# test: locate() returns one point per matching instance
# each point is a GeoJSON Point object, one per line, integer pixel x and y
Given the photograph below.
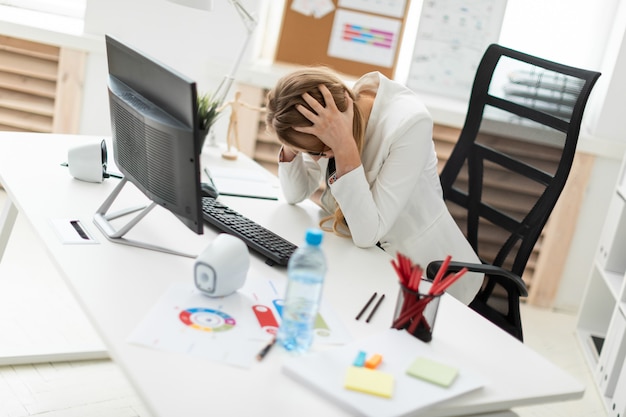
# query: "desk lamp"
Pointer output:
{"type": "Point", "coordinates": [249, 22]}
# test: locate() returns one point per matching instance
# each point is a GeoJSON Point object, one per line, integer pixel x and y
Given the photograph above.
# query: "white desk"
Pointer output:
{"type": "Point", "coordinates": [116, 285]}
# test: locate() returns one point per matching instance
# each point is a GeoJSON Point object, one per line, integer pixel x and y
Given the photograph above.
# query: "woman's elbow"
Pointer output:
{"type": "Point", "coordinates": [364, 243]}
{"type": "Point", "coordinates": [294, 196]}
{"type": "Point", "coordinates": [292, 201]}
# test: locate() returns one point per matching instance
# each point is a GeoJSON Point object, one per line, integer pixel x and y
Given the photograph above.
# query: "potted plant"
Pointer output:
{"type": "Point", "coordinates": [208, 113]}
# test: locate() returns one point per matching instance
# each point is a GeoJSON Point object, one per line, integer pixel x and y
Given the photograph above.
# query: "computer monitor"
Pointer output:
{"type": "Point", "coordinates": [156, 140]}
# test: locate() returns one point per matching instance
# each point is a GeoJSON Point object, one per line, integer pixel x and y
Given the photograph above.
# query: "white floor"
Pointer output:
{"type": "Point", "coordinates": [98, 387]}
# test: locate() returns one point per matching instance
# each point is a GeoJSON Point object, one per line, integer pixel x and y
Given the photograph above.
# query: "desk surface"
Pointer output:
{"type": "Point", "coordinates": [117, 285]}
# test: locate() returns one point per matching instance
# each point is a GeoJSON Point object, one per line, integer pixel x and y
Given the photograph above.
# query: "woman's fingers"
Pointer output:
{"type": "Point", "coordinates": [329, 124]}
{"type": "Point", "coordinates": [328, 98]}
{"type": "Point", "coordinates": [306, 112]}
{"type": "Point", "coordinates": [318, 108]}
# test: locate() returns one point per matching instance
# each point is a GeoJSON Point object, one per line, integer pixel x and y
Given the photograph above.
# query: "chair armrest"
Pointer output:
{"type": "Point", "coordinates": [495, 272]}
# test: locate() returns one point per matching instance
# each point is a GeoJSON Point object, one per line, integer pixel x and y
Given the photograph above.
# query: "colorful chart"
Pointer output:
{"type": "Point", "coordinates": [370, 36]}
{"type": "Point", "coordinates": [232, 329]}
{"type": "Point", "coordinates": [207, 319]}
{"type": "Point", "coordinates": [266, 318]}
{"type": "Point", "coordinates": [278, 305]}
{"type": "Point", "coordinates": [320, 326]}
{"type": "Point", "coordinates": [363, 37]}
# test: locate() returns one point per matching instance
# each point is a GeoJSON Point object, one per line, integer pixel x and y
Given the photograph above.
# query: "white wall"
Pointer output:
{"type": "Point", "coordinates": [576, 33]}
{"type": "Point", "coordinates": [566, 31]}
{"type": "Point", "coordinates": [607, 115]}
{"type": "Point", "coordinates": [202, 45]}
{"type": "Point", "coordinates": [588, 229]}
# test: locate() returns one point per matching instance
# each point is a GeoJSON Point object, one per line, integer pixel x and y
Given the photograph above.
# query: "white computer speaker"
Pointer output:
{"type": "Point", "coordinates": [222, 267]}
{"type": "Point", "coordinates": [88, 162]}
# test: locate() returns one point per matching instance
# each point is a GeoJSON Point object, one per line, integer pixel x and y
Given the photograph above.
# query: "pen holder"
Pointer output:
{"type": "Point", "coordinates": [416, 311]}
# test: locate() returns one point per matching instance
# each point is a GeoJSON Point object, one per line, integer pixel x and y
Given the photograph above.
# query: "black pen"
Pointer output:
{"type": "Point", "coordinates": [375, 308]}
{"type": "Point", "coordinates": [265, 350]}
{"type": "Point", "coordinates": [208, 174]}
{"type": "Point", "coordinates": [366, 306]}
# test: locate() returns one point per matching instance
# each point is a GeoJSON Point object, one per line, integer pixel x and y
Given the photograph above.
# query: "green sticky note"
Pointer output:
{"type": "Point", "coordinates": [369, 381]}
{"type": "Point", "coordinates": [432, 371]}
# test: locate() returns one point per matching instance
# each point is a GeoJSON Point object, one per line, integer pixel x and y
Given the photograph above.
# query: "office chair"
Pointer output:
{"type": "Point", "coordinates": [530, 100]}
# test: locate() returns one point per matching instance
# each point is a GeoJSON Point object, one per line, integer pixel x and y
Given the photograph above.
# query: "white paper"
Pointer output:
{"type": "Point", "coordinates": [451, 40]}
{"type": "Point", "coordinates": [186, 321]}
{"type": "Point", "coordinates": [231, 329]}
{"type": "Point", "coordinates": [315, 8]}
{"type": "Point", "coordinates": [324, 372]}
{"type": "Point", "coordinates": [244, 183]}
{"type": "Point", "coordinates": [392, 8]}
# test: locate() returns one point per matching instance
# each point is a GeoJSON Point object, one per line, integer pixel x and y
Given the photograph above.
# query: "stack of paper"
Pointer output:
{"type": "Point", "coordinates": [407, 360]}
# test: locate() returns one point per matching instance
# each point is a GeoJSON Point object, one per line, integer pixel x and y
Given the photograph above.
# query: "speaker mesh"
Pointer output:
{"type": "Point", "coordinates": [144, 153]}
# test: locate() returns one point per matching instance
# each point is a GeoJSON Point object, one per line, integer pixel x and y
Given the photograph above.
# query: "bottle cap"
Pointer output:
{"type": "Point", "coordinates": [313, 236]}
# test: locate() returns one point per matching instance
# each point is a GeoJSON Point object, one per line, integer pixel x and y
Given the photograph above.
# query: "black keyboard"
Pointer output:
{"type": "Point", "coordinates": [276, 249]}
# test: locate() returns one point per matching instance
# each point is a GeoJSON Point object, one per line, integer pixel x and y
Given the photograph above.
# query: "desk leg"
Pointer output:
{"type": "Point", "coordinates": [9, 214]}
{"type": "Point", "coordinates": [40, 353]}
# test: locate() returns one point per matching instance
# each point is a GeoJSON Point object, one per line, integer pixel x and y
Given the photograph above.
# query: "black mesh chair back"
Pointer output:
{"type": "Point", "coordinates": [516, 99]}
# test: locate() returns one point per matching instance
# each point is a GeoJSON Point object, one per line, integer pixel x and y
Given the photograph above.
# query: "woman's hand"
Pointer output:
{"type": "Point", "coordinates": [330, 125]}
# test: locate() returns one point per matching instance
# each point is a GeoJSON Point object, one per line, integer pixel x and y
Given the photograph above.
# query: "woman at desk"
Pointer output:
{"type": "Point", "coordinates": [373, 146]}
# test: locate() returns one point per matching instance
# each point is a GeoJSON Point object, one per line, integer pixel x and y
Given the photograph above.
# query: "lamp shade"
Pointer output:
{"type": "Point", "coordinates": [195, 4]}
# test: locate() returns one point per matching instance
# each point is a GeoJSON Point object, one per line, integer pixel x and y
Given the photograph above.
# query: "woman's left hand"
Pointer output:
{"type": "Point", "coordinates": [330, 125]}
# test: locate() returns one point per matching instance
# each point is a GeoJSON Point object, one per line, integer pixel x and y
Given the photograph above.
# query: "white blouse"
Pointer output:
{"type": "Point", "coordinates": [394, 197]}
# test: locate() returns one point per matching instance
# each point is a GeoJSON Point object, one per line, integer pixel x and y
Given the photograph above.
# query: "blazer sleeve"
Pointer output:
{"type": "Point", "coordinates": [372, 207]}
{"type": "Point", "coordinates": [299, 178]}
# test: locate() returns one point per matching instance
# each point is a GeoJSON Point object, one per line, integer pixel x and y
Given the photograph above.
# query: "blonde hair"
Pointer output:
{"type": "Point", "coordinates": [282, 115]}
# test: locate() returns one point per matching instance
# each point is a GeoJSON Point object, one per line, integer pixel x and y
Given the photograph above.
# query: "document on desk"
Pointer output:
{"type": "Point", "coordinates": [231, 329]}
{"type": "Point", "coordinates": [245, 183]}
{"type": "Point", "coordinates": [325, 372]}
{"type": "Point", "coordinates": [186, 321]}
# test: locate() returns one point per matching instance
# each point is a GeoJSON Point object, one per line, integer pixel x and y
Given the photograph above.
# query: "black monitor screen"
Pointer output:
{"type": "Point", "coordinates": [156, 142]}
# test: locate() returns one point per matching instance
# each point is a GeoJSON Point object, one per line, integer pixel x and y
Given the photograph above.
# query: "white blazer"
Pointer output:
{"type": "Point", "coordinates": [395, 196]}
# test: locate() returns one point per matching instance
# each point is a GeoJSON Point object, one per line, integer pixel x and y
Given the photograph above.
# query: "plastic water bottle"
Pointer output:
{"type": "Point", "coordinates": [306, 271]}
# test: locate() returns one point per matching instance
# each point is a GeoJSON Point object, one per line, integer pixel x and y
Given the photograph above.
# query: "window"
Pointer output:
{"type": "Point", "coordinates": [70, 8]}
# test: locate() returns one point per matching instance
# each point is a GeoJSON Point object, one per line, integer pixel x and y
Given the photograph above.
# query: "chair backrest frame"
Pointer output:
{"type": "Point", "coordinates": [527, 231]}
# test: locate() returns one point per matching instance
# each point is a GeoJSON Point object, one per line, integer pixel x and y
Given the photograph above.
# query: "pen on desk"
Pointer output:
{"type": "Point", "coordinates": [375, 308]}
{"type": "Point", "coordinates": [249, 196]}
{"type": "Point", "coordinates": [266, 349]}
{"type": "Point", "coordinates": [366, 306]}
{"type": "Point", "coordinates": [208, 174]}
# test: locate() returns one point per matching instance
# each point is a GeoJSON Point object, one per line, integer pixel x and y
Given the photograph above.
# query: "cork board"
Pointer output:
{"type": "Point", "coordinates": [347, 36]}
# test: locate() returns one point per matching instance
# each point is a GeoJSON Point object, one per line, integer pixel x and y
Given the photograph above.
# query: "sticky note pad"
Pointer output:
{"type": "Point", "coordinates": [432, 371]}
{"type": "Point", "coordinates": [369, 381]}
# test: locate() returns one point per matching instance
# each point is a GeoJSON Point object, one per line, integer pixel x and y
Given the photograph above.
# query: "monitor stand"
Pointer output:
{"type": "Point", "coordinates": [102, 220]}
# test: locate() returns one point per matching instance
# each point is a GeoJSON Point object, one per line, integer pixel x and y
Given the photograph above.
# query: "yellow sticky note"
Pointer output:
{"type": "Point", "coordinates": [369, 381]}
{"type": "Point", "coordinates": [432, 371]}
